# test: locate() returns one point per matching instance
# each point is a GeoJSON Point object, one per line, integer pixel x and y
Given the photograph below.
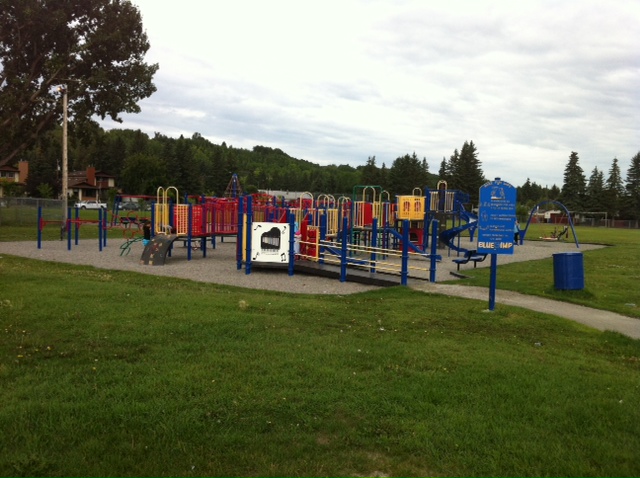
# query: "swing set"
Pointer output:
{"type": "Point", "coordinates": [556, 234]}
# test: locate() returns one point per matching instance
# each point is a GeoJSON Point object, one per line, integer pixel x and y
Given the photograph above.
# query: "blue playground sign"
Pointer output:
{"type": "Point", "coordinates": [496, 218]}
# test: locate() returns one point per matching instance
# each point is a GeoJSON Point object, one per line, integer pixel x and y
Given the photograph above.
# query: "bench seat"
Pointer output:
{"type": "Point", "coordinates": [470, 256]}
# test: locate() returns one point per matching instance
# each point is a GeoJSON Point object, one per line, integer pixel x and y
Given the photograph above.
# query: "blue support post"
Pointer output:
{"type": "Point", "coordinates": [240, 233]}
{"type": "Point", "coordinates": [405, 252]}
{"type": "Point", "coordinates": [171, 223]}
{"type": "Point", "coordinates": [39, 227]}
{"type": "Point", "coordinates": [76, 226]}
{"type": "Point", "coordinates": [292, 241]}
{"type": "Point", "coordinates": [323, 237]}
{"type": "Point", "coordinates": [343, 251]}
{"type": "Point", "coordinates": [374, 244]}
{"type": "Point", "coordinates": [493, 281]}
{"type": "Point", "coordinates": [189, 227]}
{"type": "Point", "coordinates": [434, 250]}
{"type": "Point", "coordinates": [172, 214]}
{"type": "Point", "coordinates": [425, 223]}
{"type": "Point", "coordinates": [67, 226]}
{"type": "Point", "coordinates": [247, 263]}
{"type": "Point", "coordinates": [104, 228]}
{"type": "Point", "coordinates": [153, 218]}
{"type": "Point", "coordinates": [100, 229]}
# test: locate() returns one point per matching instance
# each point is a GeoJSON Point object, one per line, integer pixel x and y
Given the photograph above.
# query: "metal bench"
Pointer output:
{"type": "Point", "coordinates": [470, 256]}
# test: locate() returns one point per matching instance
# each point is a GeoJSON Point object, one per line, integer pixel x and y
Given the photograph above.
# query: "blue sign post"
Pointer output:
{"type": "Point", "coordinates": [496, 224]}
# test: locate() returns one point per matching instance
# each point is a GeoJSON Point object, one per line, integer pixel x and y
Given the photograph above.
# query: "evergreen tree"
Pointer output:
{"type": "Point", "coordinates": [443, 172]}
{"type": "Point", "coordinates": [614, 190]}
{"type": "Point", "coordinates": [573, 189]}
{"type": "Point", "coordinates": [632, 187]}
{"type": "Point", "coordinates": [538, 193]}
{"type": "Point", "coordinates": [370, 173]}
{"type": "Point", "coordinates": [454, 176]}
{"type": "Point", "coordinates": [526, 194]}
{"type": "Point", "coordinates": [469, 175]}
{"type": "Point", "coordinates": [595, 197]}
{"type": "Point", "coordinates": [554, 193]}
{"type": "Point", "coordinates": [384, 176]}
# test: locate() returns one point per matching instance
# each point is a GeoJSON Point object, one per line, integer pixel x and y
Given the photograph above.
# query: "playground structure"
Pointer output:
{"type": "Point", "coordinates": [195, 219]}
{"type": "Point", "coordinates": [71, 226]}
{"type": "Point", "coordinates": [275, 244]}
{"type": "Point", "coordinates": [366, 231]}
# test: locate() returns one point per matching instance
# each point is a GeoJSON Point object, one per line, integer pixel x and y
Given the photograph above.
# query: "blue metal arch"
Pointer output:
{"type": "Point", "coordinates": [559, 204]}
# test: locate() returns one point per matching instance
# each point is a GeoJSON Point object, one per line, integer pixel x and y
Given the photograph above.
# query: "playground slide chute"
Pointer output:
{"type": "Point", "coordinates": [447, 236]}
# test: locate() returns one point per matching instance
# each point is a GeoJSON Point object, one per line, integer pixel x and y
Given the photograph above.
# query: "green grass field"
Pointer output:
{"type": "Point", "coordinates": [612, 274]}
{"type": "Point", "coordinates": [106, 373]}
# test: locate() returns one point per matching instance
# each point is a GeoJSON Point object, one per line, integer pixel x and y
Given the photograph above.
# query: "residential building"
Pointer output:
{"type": "Point", "coordinates": [11, 174]}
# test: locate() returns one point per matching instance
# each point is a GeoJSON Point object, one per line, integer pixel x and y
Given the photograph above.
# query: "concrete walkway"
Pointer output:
{"type": "Point", "coordinates": [596, 318]}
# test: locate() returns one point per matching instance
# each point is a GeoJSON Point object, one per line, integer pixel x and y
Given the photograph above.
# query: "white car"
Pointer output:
{"type": "Point", "coordinates": [90, 205]}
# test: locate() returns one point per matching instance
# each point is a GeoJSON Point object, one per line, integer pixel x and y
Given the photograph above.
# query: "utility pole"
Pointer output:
{"type": "Point", "coordinates": [65, 166]}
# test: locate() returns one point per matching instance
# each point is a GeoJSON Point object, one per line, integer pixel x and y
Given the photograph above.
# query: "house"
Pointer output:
{"type": "Point", "coordinates": [90, 184]}
{"type": "Point", "coordinates": [11, 175]}
{"type": "Point", "coordinates": [85, 185]}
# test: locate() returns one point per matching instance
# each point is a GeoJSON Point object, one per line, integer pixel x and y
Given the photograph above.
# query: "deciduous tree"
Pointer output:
{"type": "Point", "coordinates": [406, 173]}
{"type": "Point", "coordinates": [94, 47]}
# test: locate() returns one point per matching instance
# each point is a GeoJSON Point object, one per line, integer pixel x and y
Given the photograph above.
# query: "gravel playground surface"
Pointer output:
{"type": "Point", "coordinates": [220, 267]}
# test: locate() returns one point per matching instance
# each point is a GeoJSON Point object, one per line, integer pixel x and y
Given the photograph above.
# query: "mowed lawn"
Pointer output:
{"type": "Point", "coordinates": [110, 373]}
{"type": "Point", "coordinates": [611, 274]}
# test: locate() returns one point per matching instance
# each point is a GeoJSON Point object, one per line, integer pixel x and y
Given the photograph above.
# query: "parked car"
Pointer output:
{"type": "Point", "coordinates": [129, 206]}
{"type": "Point", "coordinates": [90, 205]}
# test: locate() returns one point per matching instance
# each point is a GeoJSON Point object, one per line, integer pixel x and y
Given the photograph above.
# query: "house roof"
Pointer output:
{"type": "Point", "coordinates": [81, 184]}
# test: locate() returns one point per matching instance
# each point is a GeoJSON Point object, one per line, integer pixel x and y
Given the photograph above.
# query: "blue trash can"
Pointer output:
{"type": "Point", "coordinates": [568, 271]}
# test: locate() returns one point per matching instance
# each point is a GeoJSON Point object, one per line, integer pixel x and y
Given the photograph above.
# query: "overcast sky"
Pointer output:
{"type": "Point", "coordinates": [335, 82]}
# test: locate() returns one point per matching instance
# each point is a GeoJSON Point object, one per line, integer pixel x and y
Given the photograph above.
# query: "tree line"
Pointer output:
{"type": "Point", "coordinates": [617, 197]}
{"type": "Point", "coordinates": [197, 166]}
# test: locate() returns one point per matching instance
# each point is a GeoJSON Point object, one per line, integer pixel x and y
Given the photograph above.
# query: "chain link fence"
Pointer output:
{"type": "Point", "coordinates": [24, 211]}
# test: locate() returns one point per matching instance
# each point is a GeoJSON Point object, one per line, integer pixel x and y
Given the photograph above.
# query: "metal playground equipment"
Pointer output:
{"type": "Point", "coordinates": [314, 248]}
{"type": "Point", "coordinates": [367, 232]}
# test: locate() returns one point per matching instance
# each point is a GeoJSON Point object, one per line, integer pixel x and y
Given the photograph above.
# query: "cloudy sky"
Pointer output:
{"type": "Point", "coordinates": [335, 82]}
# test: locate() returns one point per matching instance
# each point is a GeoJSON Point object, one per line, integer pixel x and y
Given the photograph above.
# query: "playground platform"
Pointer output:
{"type": "Point", "coordinates": [378, 279]}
